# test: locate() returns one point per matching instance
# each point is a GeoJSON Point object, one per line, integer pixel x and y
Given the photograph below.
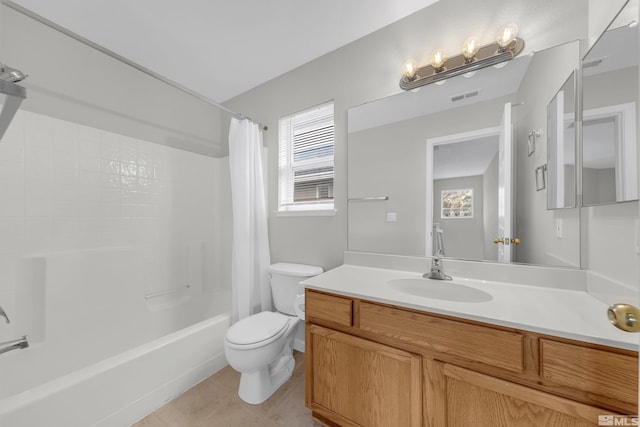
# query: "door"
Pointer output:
{"type": "Point", "coordinates": [472, 398]}
{"type": "Point", "coordinates": [357, 382]}
{"type": "Point", "coordinates": [505, 185]}
{"type": "Point", "coordinates": [497, 231]}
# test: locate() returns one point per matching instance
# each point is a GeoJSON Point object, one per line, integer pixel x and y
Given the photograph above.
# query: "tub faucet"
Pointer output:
{"type": "Point", "coordinates": [3, 314]}
{"type": "Point", "coordinates": [437, 270]}
{"type": "Point", "coordinates": [14, 345]}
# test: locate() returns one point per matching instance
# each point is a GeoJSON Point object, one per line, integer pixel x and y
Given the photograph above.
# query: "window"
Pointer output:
{"type": "Point", "coordinates": [457, 203]}
{"type": "Point", "coordinates": [306, 160]}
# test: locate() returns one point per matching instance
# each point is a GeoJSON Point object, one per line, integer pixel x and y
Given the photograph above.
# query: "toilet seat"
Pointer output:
{"type": "Point", "coordinates": [257, 330]}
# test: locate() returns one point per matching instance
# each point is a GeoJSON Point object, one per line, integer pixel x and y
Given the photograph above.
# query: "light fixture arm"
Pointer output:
{"type": "Point", "coordinates": [487, 55]}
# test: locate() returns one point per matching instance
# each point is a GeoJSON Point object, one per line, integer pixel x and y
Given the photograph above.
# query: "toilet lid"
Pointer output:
{"type": "Point", "coordinates": [256, 328]}
{"type": "Point", "coordinates": [299, 270]}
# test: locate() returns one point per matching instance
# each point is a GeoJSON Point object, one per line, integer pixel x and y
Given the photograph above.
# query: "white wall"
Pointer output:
{"type": "Point", "coordinates": [69, 187]}
{"type": "Point", "coordinates": [369, 69]}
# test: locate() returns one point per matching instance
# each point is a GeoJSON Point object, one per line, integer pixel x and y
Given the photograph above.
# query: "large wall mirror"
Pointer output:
{"type": "Point", "coordinates": [609, 116]}
{"type": "Point", "coordinates": [457, 158]}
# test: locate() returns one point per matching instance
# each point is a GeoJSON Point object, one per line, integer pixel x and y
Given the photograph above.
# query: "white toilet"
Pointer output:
{"type": "Point", "coordinates": [260, 346]}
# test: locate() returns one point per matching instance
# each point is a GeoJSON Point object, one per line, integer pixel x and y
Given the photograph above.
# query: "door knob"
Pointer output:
{"type": "Point", "coordinates": [625, 317]}
{"type": "Point", "coordinates": [506, 241]}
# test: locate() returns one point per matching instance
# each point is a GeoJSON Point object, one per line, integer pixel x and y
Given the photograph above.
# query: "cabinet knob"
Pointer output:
{"type": "Point", "coordinates": [625, 317]}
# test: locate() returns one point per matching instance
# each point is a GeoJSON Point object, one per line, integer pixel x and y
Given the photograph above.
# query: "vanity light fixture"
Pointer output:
{"type": "Point", "coordinates": [472, 58]}
{"type": "Point", "coordinates": [469, 49]}
{"type": "Point", "coordinates": [506, 36]}
{"type": "Point", "coordinates": [410, 68]}
{"type": "Point", "coordinates": [437, 61]}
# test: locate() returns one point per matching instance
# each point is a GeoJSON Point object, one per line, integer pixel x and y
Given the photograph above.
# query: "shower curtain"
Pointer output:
{"type": "Point", "coordinates": [250, 258]}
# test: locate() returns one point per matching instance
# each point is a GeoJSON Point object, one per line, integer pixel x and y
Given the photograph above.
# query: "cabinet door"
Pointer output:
{"type": "Point", "coordinates": [479, 400]}
{"type": "Point", "coordinates": [356, 382]}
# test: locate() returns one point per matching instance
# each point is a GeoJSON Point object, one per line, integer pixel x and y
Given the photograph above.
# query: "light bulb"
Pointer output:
{"type": "Point", "coordinates": [409, 69]}
{"type": "Point", "coordinates": [437, 60]}
{"type": "Point", "coordinates": [507, 35]}
{"type": "Point", "coordinates": [469, 49]}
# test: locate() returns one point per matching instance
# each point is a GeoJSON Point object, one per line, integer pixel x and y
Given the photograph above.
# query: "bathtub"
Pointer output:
{"type": "Point", "coordinates": [105, 351]}
{"type": "Point", "coordinates": [124, 388]}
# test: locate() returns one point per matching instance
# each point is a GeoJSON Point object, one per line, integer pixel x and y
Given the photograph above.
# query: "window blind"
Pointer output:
{"type": "Point", "coordinates": [306, 152]}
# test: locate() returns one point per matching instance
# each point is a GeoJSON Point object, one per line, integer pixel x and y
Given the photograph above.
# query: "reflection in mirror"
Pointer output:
{"type": "Point", "coordinates": [389, 155]}
{"type": "Point", "coordinates": [561, 148]}
{"type": "Point", "coordinates": [463, 199]}
{"type": "Point", "coordinates": [610, 96]}
{"type": "Point", "coordinates": [479, 161]}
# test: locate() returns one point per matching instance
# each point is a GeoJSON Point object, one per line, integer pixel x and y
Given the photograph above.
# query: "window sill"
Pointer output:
{"type": "Point", "coordinates": [309, 212]}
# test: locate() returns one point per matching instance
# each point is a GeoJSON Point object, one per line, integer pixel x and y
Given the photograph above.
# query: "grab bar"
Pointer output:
{"type": "Point", "coordinates": [14, 345]}
{"type": "Point", "coordinates": [368, 199]}
{"type": "Point", "coordinates": [168, 291]}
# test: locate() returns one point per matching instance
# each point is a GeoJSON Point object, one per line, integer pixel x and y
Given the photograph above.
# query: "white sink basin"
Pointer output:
{"type": "Point", "coordinates": [440, 289]}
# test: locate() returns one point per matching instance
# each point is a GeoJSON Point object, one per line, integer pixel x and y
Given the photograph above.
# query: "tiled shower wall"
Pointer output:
{"type": "Point", "coordinates": [69, 187]}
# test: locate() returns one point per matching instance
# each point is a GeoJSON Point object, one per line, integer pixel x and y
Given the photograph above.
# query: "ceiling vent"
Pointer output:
{"type": "Point", "coordinates": [465, 96]}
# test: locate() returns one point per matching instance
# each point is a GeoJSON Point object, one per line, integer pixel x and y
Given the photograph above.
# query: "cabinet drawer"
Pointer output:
{"type": "Point", "coordinates": [597, 372]}
{"type": "Point", "coordinates": [328, 308]}
{"type": "Point", "coordinates": [502, 349]}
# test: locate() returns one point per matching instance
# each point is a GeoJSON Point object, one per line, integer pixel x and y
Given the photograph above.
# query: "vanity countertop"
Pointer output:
{"type": "Point", "coordinates": [566, 313]}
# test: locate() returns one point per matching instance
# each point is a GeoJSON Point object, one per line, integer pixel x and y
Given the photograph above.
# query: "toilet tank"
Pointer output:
{"type": "Point", "coordinates": [285, 279]}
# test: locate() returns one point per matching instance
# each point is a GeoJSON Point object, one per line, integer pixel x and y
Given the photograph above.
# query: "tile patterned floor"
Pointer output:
{"type": "Point", "coordinates": [215, 402]}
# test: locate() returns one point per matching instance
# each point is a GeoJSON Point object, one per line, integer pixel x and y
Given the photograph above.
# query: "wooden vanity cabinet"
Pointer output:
{"type": "Point", "coordinates": [369, 364]}
{"type": "Point", "coordinates": [475, 399]}
{"type": "Point", "coordinates": [366, 383]}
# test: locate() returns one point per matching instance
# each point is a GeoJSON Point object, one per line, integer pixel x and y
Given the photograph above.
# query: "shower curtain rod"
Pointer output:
{"type": "Point", "coordinates": [124, 60]}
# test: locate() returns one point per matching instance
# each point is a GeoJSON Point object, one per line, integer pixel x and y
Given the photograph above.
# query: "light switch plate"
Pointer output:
{"type": "Point", "coordinates": [559, 229]}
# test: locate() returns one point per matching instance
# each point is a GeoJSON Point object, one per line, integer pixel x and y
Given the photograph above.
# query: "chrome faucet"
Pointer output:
{"type": "Point", "coordinates": [14, 345]}
{"type": "Point", "coordinates": [437, 270]}
{"type": "Point", "coordinates": [3, 314]}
